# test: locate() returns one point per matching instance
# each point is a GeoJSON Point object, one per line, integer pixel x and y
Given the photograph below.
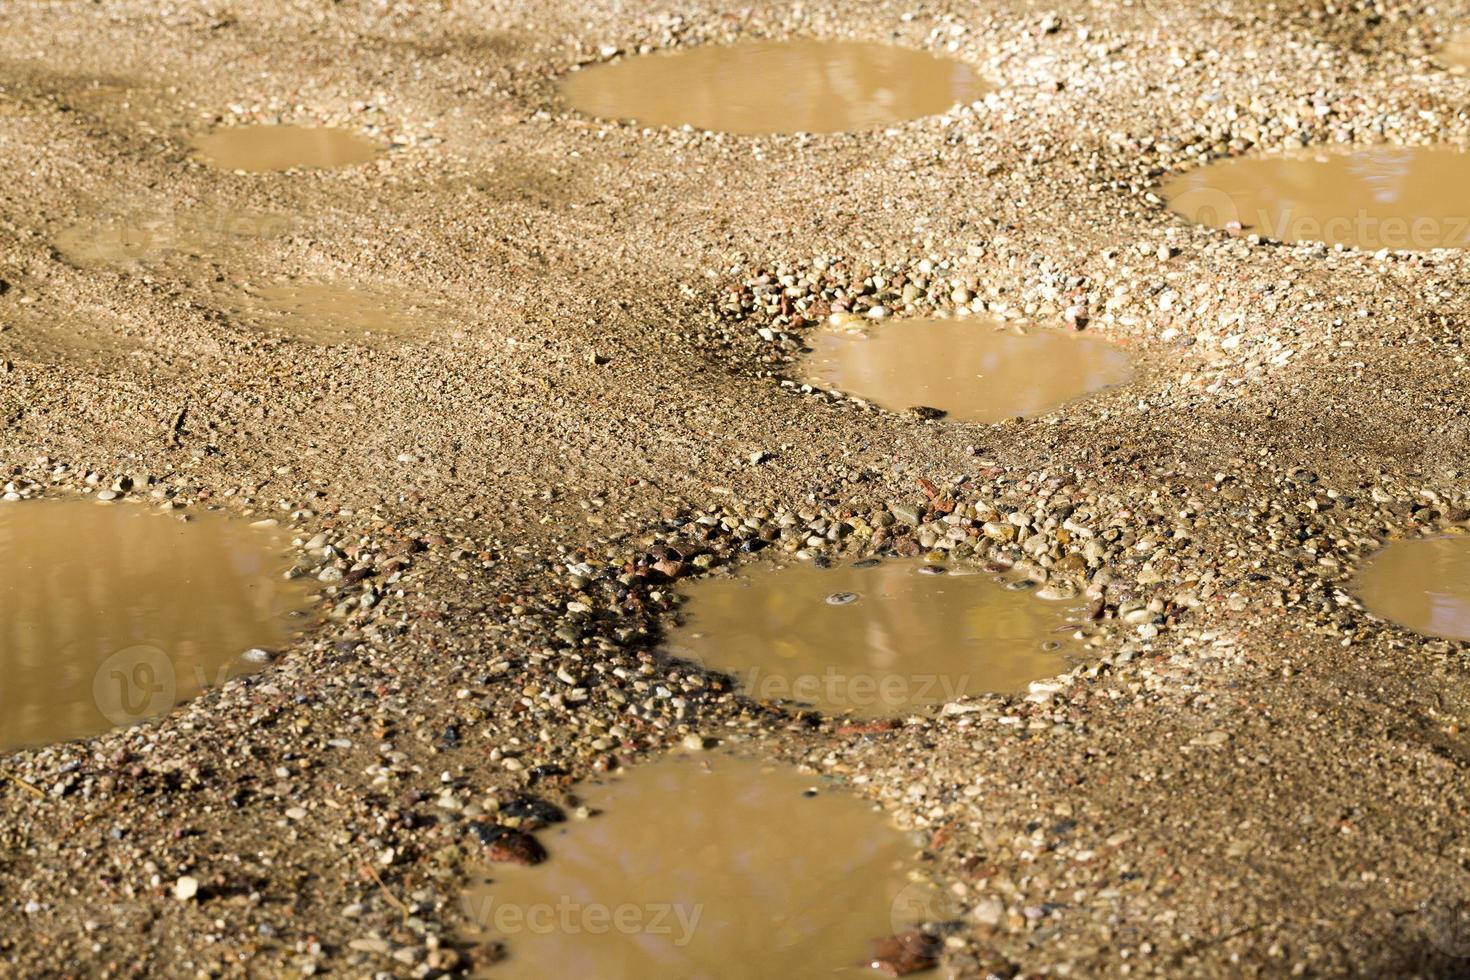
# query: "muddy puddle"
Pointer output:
{"type": "Point", "coordinates": [974, 369]}
{"type": "Point", "coordinates": [1423, 585]}
{"type": "Point", "coordinates": [1454, 54]}
{"type": "Point", "coordinates": [260, 149]}
{"type": "Point", "coordinates": [873, 638]}
{"type": "Point", "coordinates": [134, 238]}
{"type": "Point", "coordinates": [335, 313]}
{"type": "Point", "coordinates": [703, 866]}
{"type": "Point", "coordinates": [1393, 197]}
{"type": "Point", "coordinates": [756, 87]}
{"type": "Point", "coordinates": [112, 614]}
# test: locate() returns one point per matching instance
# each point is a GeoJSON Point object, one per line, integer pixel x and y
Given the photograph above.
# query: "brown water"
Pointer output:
{"type": "Point", "coordinates": [1456, 52]}
{"type": "Point", "coordinates": [330, 313]}
{"type": "Point", "coordinates": [974, 368]}
{"type": "Point", "coordinates": [703, 866]}
{"type": "Point", "coordinates": [872, 638]}
{"type": "Point", "coordinates": [110, 614]}
{"type": "Point", "coordinates": [1394, 197]}
{"type": "Point", "coordinates": [258, 149]}
{"type": "Point", "coordinates": [758, 87]}
{"type": "Point", "coordinates": [1422, 584]}
{"type": "Point", "coordinates": [138, 238]}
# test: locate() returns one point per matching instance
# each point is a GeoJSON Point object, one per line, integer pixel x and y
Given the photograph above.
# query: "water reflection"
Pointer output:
{"type": "Point", "coordinates": [702, 867]}
{"type": "Point", "coordinates": [1422, 584]}
{"type": "Point", "coordinates": [904, 640]}
{"type": "Point", "coordinates": [1392, 197]}
{"type": "Point", "coordinates": [775, 87]}
{"type": "Point", "coordinates": [974, 368]}
{"type": "Point", "coordinates": [109, 615]}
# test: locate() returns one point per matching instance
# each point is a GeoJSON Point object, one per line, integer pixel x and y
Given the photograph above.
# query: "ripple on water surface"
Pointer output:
{"type": "Point", "coordinates": [259, 149]}
{"type": "Point", "coordinates": [973, 368]}
{"type": "Point", "coordinates": [875, 637]}
{"type": "Point", "coordinates": [112, 614]}
{"type": "Point", "coordinates": [1394, 197]}
{"type": "Point", "coordinates": [703, 866]}
{"type": "Point", "coordinates": [758, 87]}
{"type": "Point", "coordinates": [1422, 584]}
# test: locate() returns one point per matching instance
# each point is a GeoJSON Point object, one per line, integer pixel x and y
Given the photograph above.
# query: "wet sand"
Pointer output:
{"type": "Point", "coordinates": [1253, 775]}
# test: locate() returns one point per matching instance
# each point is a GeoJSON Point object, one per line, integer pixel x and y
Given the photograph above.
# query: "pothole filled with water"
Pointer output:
{"type": "Point", "coordinates": [756, 87]}
{"type": "Point", "coordinates": [874, 638]}
{"type": "Point", "coordinates": [1455, 52]}
{"type": "Point", "coordinates": [332, 313]}
{"type": "Point", "coordinates": [112, 614]}
{"type": "Point", "coordinates": [137, 238]}
{"type": "Point", "coordinates": [264, 148]}
{"type": "Point", "coordinates": [1394, 197]}
{"type": "Point", "coordinates": [703, 866]}
{"type": "Point", "coordinates": [1422, 584]}
{"type": "Point", "coordinates": [975, 369]}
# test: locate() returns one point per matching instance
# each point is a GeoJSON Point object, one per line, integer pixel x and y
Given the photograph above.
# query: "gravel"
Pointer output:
{"type": "Point", "coordinates": [1246, 774]}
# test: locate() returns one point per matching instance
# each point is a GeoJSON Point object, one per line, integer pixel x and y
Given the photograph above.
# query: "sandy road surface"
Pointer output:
{"type": "Point", "coordinates": [1253, 776]}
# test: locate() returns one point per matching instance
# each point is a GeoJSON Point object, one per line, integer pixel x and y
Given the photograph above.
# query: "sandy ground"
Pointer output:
{"type": "Point", "coordinates": [1254, 777]}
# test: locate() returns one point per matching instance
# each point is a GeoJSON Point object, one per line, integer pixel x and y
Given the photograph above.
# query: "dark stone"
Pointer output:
{"type": "Point", "coordinates": [905, 953]}
{"type": "Point", "coordinates": [529, 808]}
{"type": "Point", "coordinates": [357, 575]}
{"type": "Point", "coordinates": [507, 846]}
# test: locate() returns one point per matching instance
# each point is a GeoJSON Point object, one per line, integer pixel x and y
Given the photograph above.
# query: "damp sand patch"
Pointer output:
{"type": "Point", "coordinates": [268, 148]}
{"type": "Point", "coordinates": [331, 313]}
